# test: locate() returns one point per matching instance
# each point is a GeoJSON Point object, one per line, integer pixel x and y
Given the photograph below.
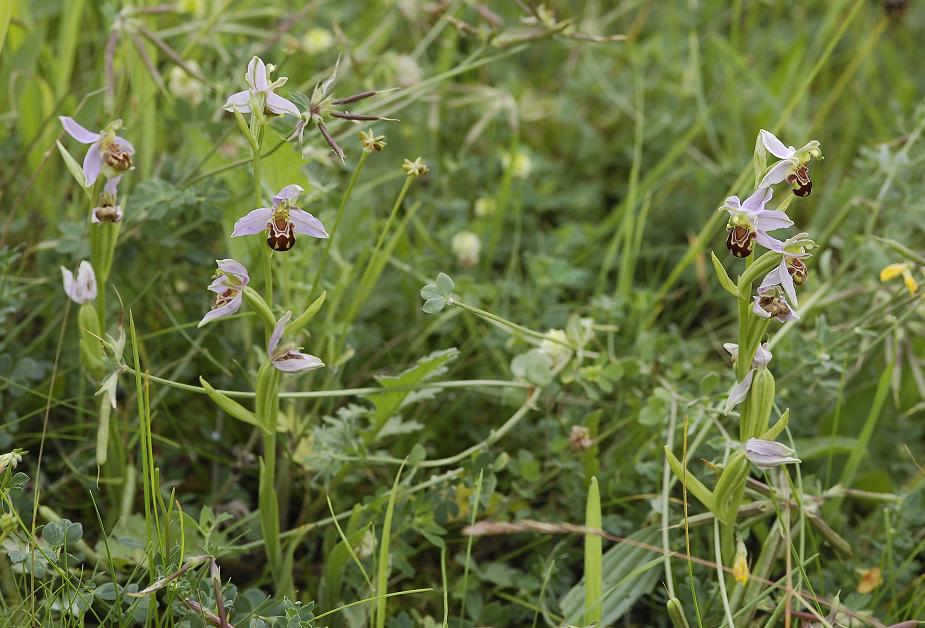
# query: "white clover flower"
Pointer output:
{"type": "Point", "coordinates": [317, 40]}
{"type": "Point", "coordinates": [484, 206]}
{"type": "Point", "coordinates": [520, 164]}
{"type": "Point", "coordinates": [555, 346]}
{"type": "Point", "coordinates": [466, 245]}
{"type": "Point", "coordinates": [182, 86]}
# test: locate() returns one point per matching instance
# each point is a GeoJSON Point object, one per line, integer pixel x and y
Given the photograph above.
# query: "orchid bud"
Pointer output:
{"type": "Point", "coordinates": [757, 413]}
{"type": "Point", "coordinates": [767, 454]}
{"type": "Point", "coordinates": [91, 350]}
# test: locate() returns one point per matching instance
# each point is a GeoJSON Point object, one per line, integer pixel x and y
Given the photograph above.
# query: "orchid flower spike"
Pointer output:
{"type": "Point", "coordinates": [108, 209]}
{"type": "Point", "coordinates": [767, 454]}
{"type": "Point", "coordinates": [260, 90]}
{"type": "Point", "coordinates": [108, 153]}
{"type": "Point", "coordinates": [791, 271]}
{"type": "Point", "coordinates": [749, 222]}
{"type": "Point", "coordinates": [228, 284]}
{"type": "Point", "coordinates": [792, 166]}
{"type": "Point", "coordinates": [770, 302]}
{"type": "Point", "coordinates": [288, 358]}
{"type": "Point", "coordinates": [760, 361]}
{"type": "Point", "coordinates": [281, 222]}
{"type": "Point", "coordinates": [82, 289]}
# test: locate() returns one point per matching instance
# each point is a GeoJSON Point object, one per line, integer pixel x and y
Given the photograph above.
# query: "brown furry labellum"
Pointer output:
{"type": "Point", "coordinates": [119, 160]}
{"type": "Point", "coordinates": [741, 241]}
{"type": "Point", "coordinates": [774, 306]}
{"type": "Point", "coordinates": [802, 184]}
{"type": "Point", "coordinates": [797, 270]}
{"type": "Point", "coordinates": [280, 235]}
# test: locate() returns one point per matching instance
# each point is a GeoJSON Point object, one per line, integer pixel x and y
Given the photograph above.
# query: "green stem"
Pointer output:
{"type": "Point", "coordinates": [337, 219]}
{"type": "Point", "coordinates": [342, 392]}
{"type": "Point", "coordinates": [512, 325]}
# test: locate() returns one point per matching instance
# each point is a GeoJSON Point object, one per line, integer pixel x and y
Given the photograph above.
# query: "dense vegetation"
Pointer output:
{"type": "Point", "coordinates": [501, 395]}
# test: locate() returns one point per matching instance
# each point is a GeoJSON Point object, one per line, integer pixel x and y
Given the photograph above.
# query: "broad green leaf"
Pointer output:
{"type": "Point", "coordinates": [628, 574]}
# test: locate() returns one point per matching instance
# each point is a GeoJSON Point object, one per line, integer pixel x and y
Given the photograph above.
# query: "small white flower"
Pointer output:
{"type": "Point", "coordinates": [317, 40]}
{"type": "Point", "coordinates": [466, 245]}
{"type": "Point", "coordinates": [555, 346]}
{"type": "Point", "coordinates": [183, 86]}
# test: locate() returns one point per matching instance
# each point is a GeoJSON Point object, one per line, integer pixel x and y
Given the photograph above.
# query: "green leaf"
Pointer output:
{"type": "Point", "coordinates": [387, 404]}
{"type": "Point", "coordinates": [229, 405]}
{"type": "Point", "coordinates": [445, 284]}
{"type": "Point", "coordinates": [305, 317]}
{"type": "Point", "coordinates": [432, 306]}
{"type": "Point", "coordinates": [594, 580]}
{"type": "Point", "coordinates": [430, 292]}
{"type": "Point", "coordinates": [724, 279]}
{"type": "Point", "coordinates": [532, 366]}
{"type": "Point", "coordinates": [628, 574]}
{"type": "Point", "coordinates": [75, 169]}
{"type": "Point", "coordinates": [62, 533]}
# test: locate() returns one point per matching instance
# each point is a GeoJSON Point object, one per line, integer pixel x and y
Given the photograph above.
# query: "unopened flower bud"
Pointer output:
{"type": "Point", "coordinates": [466, 245]}
{"type": "Point", "coordinates": [767, 454]}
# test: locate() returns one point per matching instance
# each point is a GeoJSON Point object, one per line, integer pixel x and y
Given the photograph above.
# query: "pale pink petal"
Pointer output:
{"type": "Point", "coordinates": [124, 145]}
{"type": "Point", "coordinates": [68, 278]}
{"type": "Point", "coordinates": [86, 281]}
{"type": "Point", "coordinates": [306, 223]}
{"type": "Point", "coordinates": [778, 172]}
{"type": "Point", "coordinates": [733, 350]}
{"type": "Point", "coordinates": [757, 200]}
{"type": "Point", "coordinates": [739, 392]}
{"type": "Point", "coordinates": [253, 222]}
{"type": "Point", "coordinates": [235, 268]}
{"type": "Point", "coordinates": [786, 282]}
{"type": "Point", "coordinates": [76, 131]}
{"type": "Point", "coordinates": [240, 101]}
{"type": "Point", "coordinates": [775, 146]}
{"type": "Point", "coordinates": [732, 203]}
{"type": "Point", "coordinates": [772, 219]}
{"type": "Point", "coordinates": [93, 162]}
{"type": "Point", "coordinates": [221, 312]}
{"type": "Point", "coordinates": [277, 333]}
{"type": "Point", "coordinates": [773, 278]}
{"type": "Point", "coordinates": [772, 244]}
{"type": "Point", "coordinates": [257, 74]}
{"type": "Point", "coordinates": [288, 193]}
{"type": "Point", "coordinates": [278, 104]}
{"type": "Point", "coordinates": [295, 361]}
{"type": "Point", "coordinates": [762, 356]}
{"type": "Point", "coordinates": [766, 454]}
{"type": "Point", "coordinates": [758, 310]}
{"type": "Point", "coordinates": [111, 185]}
